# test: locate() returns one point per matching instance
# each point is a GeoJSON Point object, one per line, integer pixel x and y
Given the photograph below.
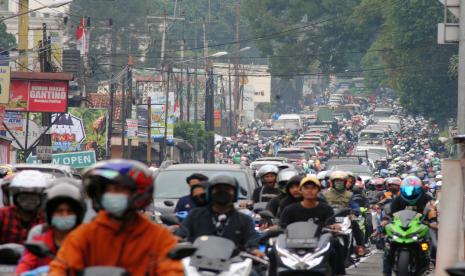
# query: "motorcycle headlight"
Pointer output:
{"type": "Point", "coordinates": [315, 258]}
{"type": "Point", "coordinates": [286, 257]}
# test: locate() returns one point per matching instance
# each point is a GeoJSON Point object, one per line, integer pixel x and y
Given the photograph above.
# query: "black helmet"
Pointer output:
{"type": "Point", "coordinates": [223, 179]}
{"type": "Point", "coordinates": [65, 190]}
{"type": "Point", "coordinates": [294, 180]}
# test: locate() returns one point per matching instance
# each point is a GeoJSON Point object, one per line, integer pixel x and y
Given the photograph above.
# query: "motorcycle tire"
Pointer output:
{"type": "Point", "coordinates": [403, 263]}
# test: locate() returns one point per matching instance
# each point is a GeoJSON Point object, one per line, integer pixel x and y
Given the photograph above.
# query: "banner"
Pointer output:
{"type": "Point", "coordinates": [38, 96]}
{"type": "Point", "coordinates": [158, 122]}
{"type": "Point", "coordinates": [81, 129]}
{"type": "Point", "coordinates": [48, 96]}
{"type": "Point", "coordinates": [4, 84]}
{"type": "Point", "coordinates": [132, 127]}
{"type": "Point", "coordinates": [2, 118]}
{"type": "Point", "coordinates": [14, 120]}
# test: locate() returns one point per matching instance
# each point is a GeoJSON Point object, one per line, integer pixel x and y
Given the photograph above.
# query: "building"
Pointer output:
{"type": "Point", "coordinates": [54, 18]}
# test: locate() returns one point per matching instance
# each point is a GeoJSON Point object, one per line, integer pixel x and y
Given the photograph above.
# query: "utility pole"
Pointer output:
{"type": "Point", "coordinates": [23, 31]}
{"type": "Point", "coordinates": [236, 65]}
{"type": "Point", "coordinates": [230, 121]}
{"type": "Point", "coordinates": [149, 131]}
{"type": "Point", "coordinates": [129, 81]}
{"type": "Point", "coordinates": [209, 115]}
{"type": "Point", "coordinates": [196, 93]}
{"type": "Point", "coordinates": [461, 72]}
{"type": "Point", "coordinates": [46, 139]}
{"type": "Point", "coordinates": [123, 117]}
{"type": "Point", "coordinates": [110, 119]}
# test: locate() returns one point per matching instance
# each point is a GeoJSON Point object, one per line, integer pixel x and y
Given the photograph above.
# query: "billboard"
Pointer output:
{"type": "Point", "coordinates": [4, 84]}
{"type": "Point", "coordinates": [81, 129]}
{"type": "Point", "coordinates": [38, 96]}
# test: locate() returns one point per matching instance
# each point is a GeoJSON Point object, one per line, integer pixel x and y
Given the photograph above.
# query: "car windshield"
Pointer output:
{"type": "Point", "coordinates": [292, 154]}
{"type": "Point", "coordinates": [267, 133]}
{"type": "Point", "coordinates": [356, 169]}
{"type": "Point", "coordinates": [172, 184]}
{"type": "Point", "coordinates": [52, 172]}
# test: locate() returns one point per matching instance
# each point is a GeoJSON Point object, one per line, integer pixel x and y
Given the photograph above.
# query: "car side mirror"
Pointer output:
{"type": "Point", "coordinates": [168, 203]}
{"type": "Point", "coordinates": [38, 249]}
{"type": "Point", "coordinates": [182, 251]}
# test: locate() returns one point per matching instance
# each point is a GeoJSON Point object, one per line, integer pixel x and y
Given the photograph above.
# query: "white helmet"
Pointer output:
{"type": "Point", "coordinates": [27, 190]}
{"type": "Point", "coordinates": [266, 170]}
{"type": "Point", "coordinates": [29, 181]}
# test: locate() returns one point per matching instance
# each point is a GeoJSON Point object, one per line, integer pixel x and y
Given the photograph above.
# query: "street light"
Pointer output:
{"type": "Point", "coordinates": [51, 6]}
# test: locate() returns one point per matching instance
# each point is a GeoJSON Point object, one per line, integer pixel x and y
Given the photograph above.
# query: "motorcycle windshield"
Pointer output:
{"type": "Point", "coordinates": [405, 217]}
{"type": "Point", "coordinates": [213, 253]}
{"type": "Point", "coordinates": [302, 235]}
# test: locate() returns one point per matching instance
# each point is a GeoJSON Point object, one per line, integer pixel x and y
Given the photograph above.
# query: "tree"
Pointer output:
{"type": "Point", "coordinates": [7, 40]}
{"type": "Point", "coordinates": [415, 65]}
{"type": "Point", "coordinates": [186, 131]}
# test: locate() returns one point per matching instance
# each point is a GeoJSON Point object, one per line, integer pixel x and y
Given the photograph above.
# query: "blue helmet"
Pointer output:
{"type": "Point", "coordinates": [411, 189]}
{"type": "Point", "coordinates": [384, 173]}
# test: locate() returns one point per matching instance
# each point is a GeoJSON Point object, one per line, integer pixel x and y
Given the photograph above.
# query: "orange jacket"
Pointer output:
{"type": "Point", "coordinates": [141, 247]}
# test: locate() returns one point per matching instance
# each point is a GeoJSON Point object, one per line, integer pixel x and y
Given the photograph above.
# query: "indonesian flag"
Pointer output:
{"type": "Point", "coordinates": [81, 41]}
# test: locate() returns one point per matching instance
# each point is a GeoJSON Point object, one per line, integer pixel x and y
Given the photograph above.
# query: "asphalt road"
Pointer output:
{"type": "Point", "coordinates": [368, 266]}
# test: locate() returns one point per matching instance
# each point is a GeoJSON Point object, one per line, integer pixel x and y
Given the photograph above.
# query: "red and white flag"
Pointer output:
{"type": "Point", "coordinates": [81, 40]}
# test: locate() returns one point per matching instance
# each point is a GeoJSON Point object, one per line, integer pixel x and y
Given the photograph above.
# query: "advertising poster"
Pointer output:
{"type": "Point", "coordinates": [14, 120]}
{"type": "Point", "coordinates": [81, 129]}
{"type": "Point", "coordinates": [158, 122]}
{"type": "Point", "coordinates": [19, 95]}
{"type": "Point", "coordinates": [132, 127]}
{"type": "Point", "coordinates": [4, 84]}
{"type": "Point", "coordinates": [48, 96]}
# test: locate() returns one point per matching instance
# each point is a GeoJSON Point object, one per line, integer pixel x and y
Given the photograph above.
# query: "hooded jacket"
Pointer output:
{"type": "Point", "coordinates": [140, 248]}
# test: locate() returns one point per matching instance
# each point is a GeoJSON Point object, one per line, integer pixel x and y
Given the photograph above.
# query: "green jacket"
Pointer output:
{"type": "Point", "coordinates": [333, 198]}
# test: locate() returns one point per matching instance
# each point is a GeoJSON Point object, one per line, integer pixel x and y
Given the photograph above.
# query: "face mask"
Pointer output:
{"type": "Point", "coordinates": [28, 202]}
{"type": "Point", "coordinates": [222, 197]}
{"type": "Point", "coordinates": [115, 203]}
{"type": "Point", "coordinates": [339, 185]}
{"type": "Point", "coordinates": [64, 223]}
{"type": "Point", "coordinates": [199, 200]}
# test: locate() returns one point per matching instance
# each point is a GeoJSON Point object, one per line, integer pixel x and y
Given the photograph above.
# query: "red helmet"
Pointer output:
{"type": "Point", "coordinates": [128, 173]}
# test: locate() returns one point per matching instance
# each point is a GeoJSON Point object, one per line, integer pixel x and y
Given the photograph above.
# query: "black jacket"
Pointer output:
{"type": "Point", "coordinates": [238, 227]}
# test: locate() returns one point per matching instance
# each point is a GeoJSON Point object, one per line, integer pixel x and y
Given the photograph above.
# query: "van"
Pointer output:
{"type": "Point", "coordinates": [288, 121]}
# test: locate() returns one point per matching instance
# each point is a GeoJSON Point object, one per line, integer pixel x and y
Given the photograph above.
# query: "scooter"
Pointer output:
{"type": "Point", "coordinates": [407, 243]}
{"type": "Point", "coordinates": [299, 251]}
{"type": "Point", "coordinates": [10, 254]}
{"type": "Point", "coordinates": [215, 256]}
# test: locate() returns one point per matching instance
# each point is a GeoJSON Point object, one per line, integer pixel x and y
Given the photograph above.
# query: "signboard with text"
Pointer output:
{"type": "Point", "coordinates": [4, 84]}
{"type": "Point", "coordinates": [38, 96]}
{"type": "Point", "coordinates": [13, 120]}
{"type": "Point", "coordinates": [77, 160]}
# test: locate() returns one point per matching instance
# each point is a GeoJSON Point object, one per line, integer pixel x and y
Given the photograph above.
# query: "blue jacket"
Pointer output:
{"type": "Point", "coordinates": [185, 203]}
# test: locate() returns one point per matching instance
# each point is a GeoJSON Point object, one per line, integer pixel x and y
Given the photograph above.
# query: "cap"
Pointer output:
{"type": "Point", "coordinates": [312, 179]}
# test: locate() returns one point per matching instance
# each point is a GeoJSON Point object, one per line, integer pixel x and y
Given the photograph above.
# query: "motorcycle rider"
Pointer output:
{"type": "Point", "coordinates": [413, 197]}
{"type": "Point", "coordinates": [64, 210]}
{"type": "Point", "coordinates": [186, 203]}
{"type": "Point", "coordinates": [293, 194]}
{"type": "Point", "coordinates": [267, 175]}
{"type": "Point", "coordinates": [311, 208]}
{"type": "Point", "coordinates": [393, 190]}
{"type": "Point", "coordinates": [27, 192]}
{"type": "Point", "coordinates": [119, 235]}
{"type": "Point", "coordinates": [283, 179]}
{"type": "Point", "coordinates": [220, 218]}
{"type": "Point", "coordinates": [339, 197]}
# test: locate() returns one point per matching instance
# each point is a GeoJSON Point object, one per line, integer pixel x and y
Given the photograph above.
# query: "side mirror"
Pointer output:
{"type": "Point", "coordinates": [169, 220]}
{"type": "Point", "coordinates": [168, 203]}
{"type": "Point", "coordinates": [182, 251]}
{"type": "Point", "coordinates": [266, 214]}
{"type": "Point", "coordinates": [39, 249]}
{"type": "Point", "coordinates": [270, 234]}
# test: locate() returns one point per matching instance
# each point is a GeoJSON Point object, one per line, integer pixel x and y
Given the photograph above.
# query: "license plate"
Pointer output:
{"type": "Point", "coordinates": [339, 219]}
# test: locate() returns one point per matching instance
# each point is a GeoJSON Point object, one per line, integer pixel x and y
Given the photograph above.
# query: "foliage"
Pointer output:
{"type": "Point", "coordinates": [415, 65]}
{"type": "Point", "coordinates": [7, 40]}
{"type": "Point", "coordinates": [186, 131]}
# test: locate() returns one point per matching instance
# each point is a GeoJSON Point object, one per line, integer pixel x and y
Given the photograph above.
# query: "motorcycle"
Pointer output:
{"type": "Point", "coordinates": [407, 243]}
{"type": "Point", "coordinates": [300, 251]}
{"type": "Point", "coordinates": [215, 256]}
{"type": "Point", "coordinates": [10, 255]}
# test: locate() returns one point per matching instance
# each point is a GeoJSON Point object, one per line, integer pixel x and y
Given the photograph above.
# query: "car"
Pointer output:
{"type": "Point", "coordinates": [295, 154]}
{"type": "Point", "coordinates": [359, 170]}
{"type": "Point", "coordinates": [170, 182]}
{"type": "Point", "coordinates": [267, 133]}
{"type": "Point", "coordinates": [56, 171]}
